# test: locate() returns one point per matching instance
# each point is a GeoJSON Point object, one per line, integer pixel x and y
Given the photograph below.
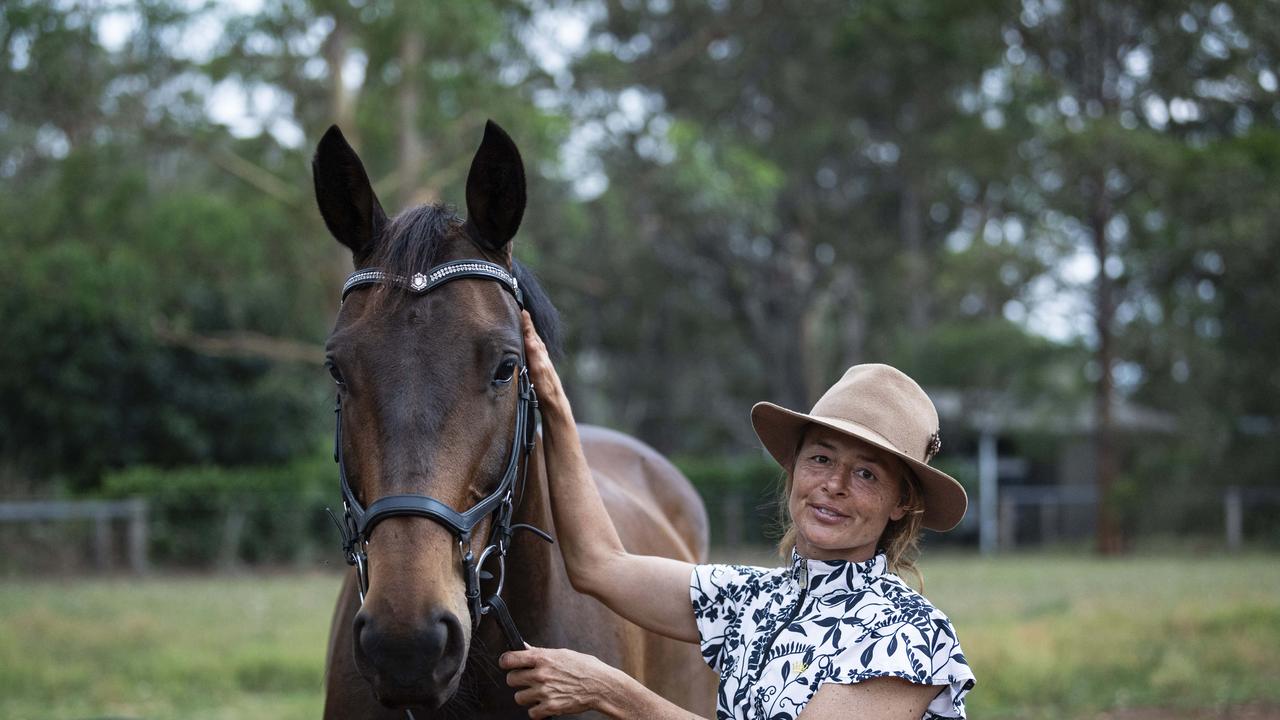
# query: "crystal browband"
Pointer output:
{"type": "Point", "coordinates": [422, 283]}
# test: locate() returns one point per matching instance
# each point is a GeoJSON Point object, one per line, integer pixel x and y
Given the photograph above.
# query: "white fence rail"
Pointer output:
{"type": "Point", "coordinates": [101, 512]}
{"type": "Point", "coordinates": [1048, 502]}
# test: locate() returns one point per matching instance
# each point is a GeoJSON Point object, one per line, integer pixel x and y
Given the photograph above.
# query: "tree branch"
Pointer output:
{"type": "Point", "coordinates": [243, 344]}
{"type": "Point", "coordinates": [256, 176]}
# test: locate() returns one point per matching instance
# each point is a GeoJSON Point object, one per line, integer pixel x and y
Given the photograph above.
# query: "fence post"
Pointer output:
{"type": "Point", "coordinates": [102, 537]}
{"type": "Point", "coordinates": [232, 530]}
{"type": "Point", "coordinates": [1008, 523]}
{"type": "Point", "coordinates": [138, 535]}
{"type": "Point", "coordinates": [1233, 508]}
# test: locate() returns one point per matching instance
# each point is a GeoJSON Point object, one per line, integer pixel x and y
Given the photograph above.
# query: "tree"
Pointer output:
{"type": "Point", "coordinates": [799, 170]}
{"type": "Point", "coordinates": [1125, 90]}
{"type": "Point", "coordinates": [170, 283]}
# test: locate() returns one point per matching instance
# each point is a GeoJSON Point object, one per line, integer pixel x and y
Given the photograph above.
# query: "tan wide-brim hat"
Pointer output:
{"type": "Point", "coordinates": [879, 405]}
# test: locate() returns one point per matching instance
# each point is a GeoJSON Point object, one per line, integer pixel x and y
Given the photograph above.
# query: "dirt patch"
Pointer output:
{"type": "Point", "coordinates": [1234, 712]}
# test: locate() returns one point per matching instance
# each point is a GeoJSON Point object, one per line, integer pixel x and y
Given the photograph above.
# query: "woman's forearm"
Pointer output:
{"type": "Point", "coordinates": [557, 682]}
{"type": "Point", "coordinates": [651, 591]}
{"type": "Point", "coordinates": [588, 540]}
{"type": "Point", "coordinates": [628, 699]}
{"type": "Point", "coordinates": [586, 535]}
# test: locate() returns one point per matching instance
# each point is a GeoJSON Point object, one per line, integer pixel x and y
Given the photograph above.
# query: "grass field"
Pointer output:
{"type": "Point", "coordinates": [1048, 636]}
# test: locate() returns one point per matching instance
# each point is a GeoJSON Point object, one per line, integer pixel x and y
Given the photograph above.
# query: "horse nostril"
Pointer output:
{"type": "Point", "coordinates": [361, 632]}
{"type": "Point", "coordinates": [430, 650]}
{"type": "Point", "coordinates": [447, 631]}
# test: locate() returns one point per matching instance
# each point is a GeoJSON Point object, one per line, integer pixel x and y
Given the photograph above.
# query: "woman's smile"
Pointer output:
{"type": "Point", "coordinates": [826, 514]}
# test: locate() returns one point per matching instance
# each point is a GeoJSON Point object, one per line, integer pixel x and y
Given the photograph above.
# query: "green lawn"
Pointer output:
{"type": "Point", "coordinates": [192, 647]}
{"type": "Point", "coordinates": [1052, 637]}
{"type": "Point", "coordinates": [1048, 636]}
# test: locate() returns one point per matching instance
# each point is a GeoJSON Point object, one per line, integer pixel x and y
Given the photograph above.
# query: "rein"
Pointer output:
{"type": "Point", "coordinates": [358, 521]}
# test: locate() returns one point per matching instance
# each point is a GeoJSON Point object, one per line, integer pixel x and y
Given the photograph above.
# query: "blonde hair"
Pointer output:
{"type": "Point", "coordinates": [900, 540]}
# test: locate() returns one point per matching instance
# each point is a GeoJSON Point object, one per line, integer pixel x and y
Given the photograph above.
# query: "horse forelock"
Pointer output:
{"type": "Point", "coordinates": [415, 241]}
{"type": "Point", "coordinates": [419, 238]}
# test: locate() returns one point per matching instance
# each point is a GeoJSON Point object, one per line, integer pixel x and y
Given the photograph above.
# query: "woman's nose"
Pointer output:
{"type": "Point", "coordinates": [836, 481]}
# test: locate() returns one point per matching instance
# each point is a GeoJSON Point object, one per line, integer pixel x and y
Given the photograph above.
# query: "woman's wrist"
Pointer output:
{"type": "Point", "coordinates": [624, 697]}
{"type": "Point", "coordinates": [628, 698]}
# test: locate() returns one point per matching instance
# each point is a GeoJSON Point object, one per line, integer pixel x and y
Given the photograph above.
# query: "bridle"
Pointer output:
{"type": "Point", "coordinates": [358, 521]}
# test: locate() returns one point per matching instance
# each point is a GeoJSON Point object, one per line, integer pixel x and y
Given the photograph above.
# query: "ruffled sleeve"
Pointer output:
{"type": "Point", "coordinates": [718, 593]}
{"type": "Point", "coordinates": [907, 638]}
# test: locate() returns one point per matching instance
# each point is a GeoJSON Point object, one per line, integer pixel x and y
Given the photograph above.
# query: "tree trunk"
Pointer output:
{"type": "Point", "coordinates": [413, 153]}
{"type": "Point", "coordinates": [341, 102]}
{"type": "Point", "coordinates": [341, 113]}
{"type": "Point", "coordinates": [911, 222]}
{"type": "Point", "coordinates": [1109, 538]}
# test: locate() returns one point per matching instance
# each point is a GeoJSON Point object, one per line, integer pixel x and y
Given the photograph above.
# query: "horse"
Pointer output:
{"type": "Point", "coordinates": [435, 417]}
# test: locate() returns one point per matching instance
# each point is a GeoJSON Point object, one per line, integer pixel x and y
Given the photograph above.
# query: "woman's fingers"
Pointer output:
{"type": "Point", "coordinates": [551, 682]}
{"type": "Point", "coordinates": [528, 696]}
{"type": "Point", "coordinates": [531, 694]}
{"type": "Point", "coordinates": [517, 659]}
{"type": "Point", "coordinates": [541, 371]}
{"type": "Point", "coordinates": [534, 349]}
{"type": "Point", "coordinates": [531, 336]}
{"type": "Point", "coordinates": [518, 678]}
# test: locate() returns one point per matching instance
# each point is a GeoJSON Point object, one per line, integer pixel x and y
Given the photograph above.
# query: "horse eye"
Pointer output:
{"type": "Point", "coordinates": [334, 372]}
{"type": "Point", "coordinates": [506, 371]}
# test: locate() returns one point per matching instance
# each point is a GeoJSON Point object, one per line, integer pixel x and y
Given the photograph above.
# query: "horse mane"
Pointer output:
{"type": "Point", "coordinates": [546, 319]}
{"type": "Point", "coordinates": [414, 241]}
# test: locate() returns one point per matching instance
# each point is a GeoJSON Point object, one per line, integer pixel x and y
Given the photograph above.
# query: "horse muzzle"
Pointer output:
{"type": "Point", "coordinates": [414, 664]}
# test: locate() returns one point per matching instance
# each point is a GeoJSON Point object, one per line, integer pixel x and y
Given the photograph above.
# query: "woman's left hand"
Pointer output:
{"type": "Point", "coordinates": [558, 681]}
{"type": "Point", "coordinates": [551, 397]}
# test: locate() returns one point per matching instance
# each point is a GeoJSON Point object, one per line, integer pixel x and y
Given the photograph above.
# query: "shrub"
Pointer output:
{"type": "Point", "coordinates": [205, 515]}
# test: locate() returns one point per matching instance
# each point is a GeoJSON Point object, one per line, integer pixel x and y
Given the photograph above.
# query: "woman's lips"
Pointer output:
{"type": "Point", "coordinates": [826, 514]}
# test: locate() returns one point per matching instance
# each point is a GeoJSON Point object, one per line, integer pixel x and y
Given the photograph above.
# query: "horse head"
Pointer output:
{"type": "Point", "coordinates": [428, 389]}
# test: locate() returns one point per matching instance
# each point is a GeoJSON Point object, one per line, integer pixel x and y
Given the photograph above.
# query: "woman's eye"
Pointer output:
{"type": "Point", "coordinates": [334, 372]}
{"type": "Point", "coordinates": [866, 474]}
{"type": "Point", "coordinates": [505, 372]}
{"type": "Point", "coordinates": [820, 459]}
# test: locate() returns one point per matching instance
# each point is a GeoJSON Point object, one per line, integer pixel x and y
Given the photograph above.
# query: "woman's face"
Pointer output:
{"type": "Point", "coordinates": [843, 494]}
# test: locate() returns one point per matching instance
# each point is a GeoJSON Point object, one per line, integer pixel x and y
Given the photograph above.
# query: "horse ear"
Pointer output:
{"type": "Point", "coordinates": [345, 196]}
{"type": "Point", "coordinates": [495, 190]}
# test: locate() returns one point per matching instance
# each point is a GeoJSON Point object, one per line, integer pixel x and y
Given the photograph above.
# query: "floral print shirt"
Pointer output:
{"type": "Point", "coordinates": [775, 635]}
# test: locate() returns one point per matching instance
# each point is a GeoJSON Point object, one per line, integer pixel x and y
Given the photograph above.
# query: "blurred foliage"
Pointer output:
{"type": "Point", "coordinates": [204, 515]}
{"type": "Point", "coordinates": [729, 201]}
{"type": "Point", "coordinates": [741, 495]}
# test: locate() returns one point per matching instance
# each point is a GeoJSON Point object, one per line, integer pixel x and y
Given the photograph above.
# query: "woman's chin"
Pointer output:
{"type": "Point", "coordinates": [819, 546]}
{"type": "Point", "coordinates": [821, 543]}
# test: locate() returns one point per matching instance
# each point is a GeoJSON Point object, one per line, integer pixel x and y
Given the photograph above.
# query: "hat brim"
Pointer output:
{"type": "Point", "coordinates": [780, 430]}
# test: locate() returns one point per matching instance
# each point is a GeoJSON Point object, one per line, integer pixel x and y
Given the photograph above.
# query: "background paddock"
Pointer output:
{"type": "Point", "coordinates": [1049, 635]}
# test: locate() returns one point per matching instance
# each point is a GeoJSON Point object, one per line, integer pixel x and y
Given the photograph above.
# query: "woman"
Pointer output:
{"type": "Point", "coordinates": [835, 635]}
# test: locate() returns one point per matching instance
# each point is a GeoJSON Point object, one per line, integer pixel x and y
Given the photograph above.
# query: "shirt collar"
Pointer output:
{"type": "Point", "coordinates": [825, 577]}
